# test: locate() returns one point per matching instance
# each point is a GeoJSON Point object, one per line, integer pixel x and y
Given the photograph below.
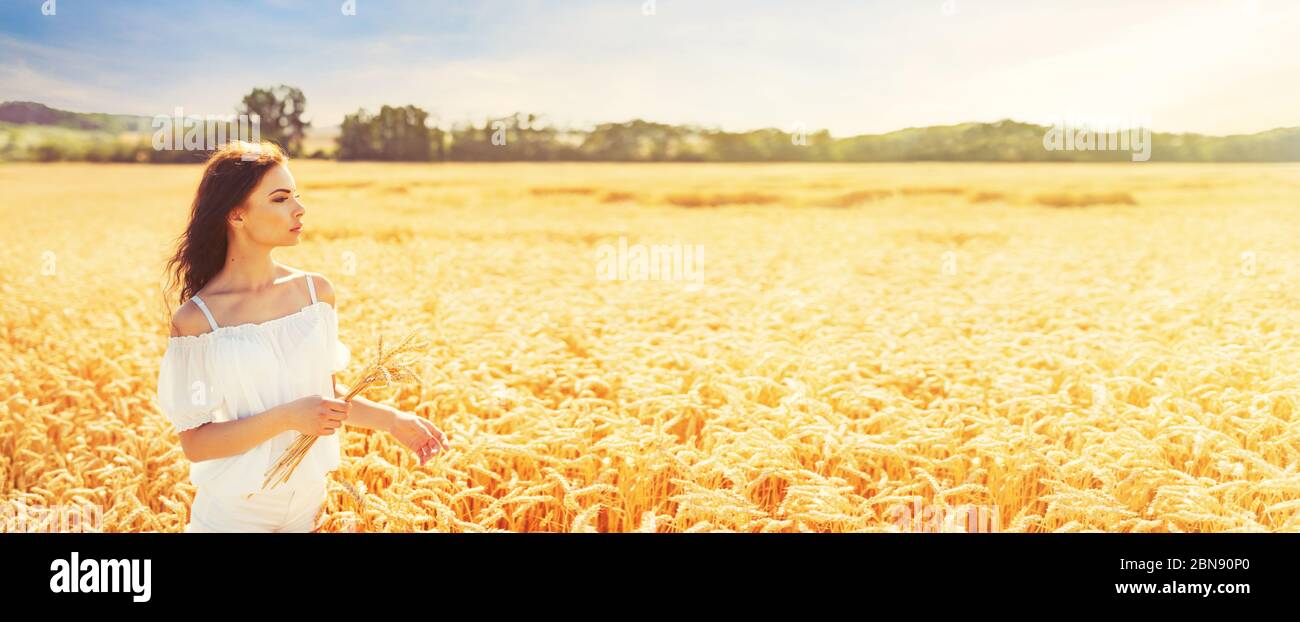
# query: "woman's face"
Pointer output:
{"type": "Point", "coordinates": [272, 211]}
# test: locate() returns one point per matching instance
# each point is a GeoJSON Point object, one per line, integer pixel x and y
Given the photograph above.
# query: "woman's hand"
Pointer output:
{"type": "Point", "coordinates": [316, 414]}
{"type": "Point", "coordinates": [419, 435]}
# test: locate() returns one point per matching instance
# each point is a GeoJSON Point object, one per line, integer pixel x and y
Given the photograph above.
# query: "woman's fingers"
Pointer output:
{"type": "Point", "coordinates": [434, 445]}
{"type": "Point", "coordinates": [429, 450]}
{"type": "Point", "coordinates": [421, 431]}
{"type": "Point", "coordinates": [438, 436]}
{"type": "Point", "coordinates": [427, 439]}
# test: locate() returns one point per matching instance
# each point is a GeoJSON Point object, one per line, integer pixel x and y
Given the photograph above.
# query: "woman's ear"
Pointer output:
{"type": "Point", "coordinates": [236, 216]}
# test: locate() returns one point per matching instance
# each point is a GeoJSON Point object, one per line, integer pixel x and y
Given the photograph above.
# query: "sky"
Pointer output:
{"type": "Point", "coordinates": [853, 67]}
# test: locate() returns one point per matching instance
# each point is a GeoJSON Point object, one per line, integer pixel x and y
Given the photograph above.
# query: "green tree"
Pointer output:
{"type": "Point", "coordinates": [356, 139]}
{"type": "Point", "coordinates": [280, 109]}
{"type": "Point", "coordinates": [396, 133]}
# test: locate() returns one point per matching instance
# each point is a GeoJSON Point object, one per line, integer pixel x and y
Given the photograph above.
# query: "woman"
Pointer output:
{"type": "Point", "coordinates": [253, 348]}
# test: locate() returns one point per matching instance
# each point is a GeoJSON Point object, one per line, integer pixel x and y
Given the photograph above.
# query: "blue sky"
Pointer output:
{"type": "Point", "coordinates": [1213, 66]}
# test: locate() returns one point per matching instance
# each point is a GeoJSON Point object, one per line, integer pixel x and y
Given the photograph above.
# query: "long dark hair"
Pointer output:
{"type": "Point", "coordinates": [229, 176]}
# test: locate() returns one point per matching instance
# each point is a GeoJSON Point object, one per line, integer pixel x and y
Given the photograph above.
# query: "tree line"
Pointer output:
{"type": "Point", "coordinates": [408, 133]}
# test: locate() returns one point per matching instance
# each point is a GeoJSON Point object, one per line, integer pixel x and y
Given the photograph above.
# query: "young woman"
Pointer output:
{"type": "Point", "coordinates": [253, 349]}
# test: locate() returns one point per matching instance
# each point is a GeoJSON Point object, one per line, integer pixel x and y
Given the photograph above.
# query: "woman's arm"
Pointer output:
{"type": "Point", "coordinates": [313, 414]}
{"type": "Point", "coordinates": [229, 438]}
{"type": "Point", "coordinates": [412, 431]}
{"type": "Point", "coordinates": [365, 413]}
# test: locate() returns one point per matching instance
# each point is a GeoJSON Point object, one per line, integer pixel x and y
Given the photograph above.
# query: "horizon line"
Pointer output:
{"type": "Point", "coordinates": [713, 128]}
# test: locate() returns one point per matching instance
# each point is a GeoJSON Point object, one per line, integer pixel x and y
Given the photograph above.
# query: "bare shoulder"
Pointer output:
{"type": "Point", "coordinates": [189, 321]}
{"type": "Point", "coordinates": [324, 288]}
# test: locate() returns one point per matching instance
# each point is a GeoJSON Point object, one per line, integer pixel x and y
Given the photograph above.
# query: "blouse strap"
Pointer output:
{"type": "Point", "coordinates": [204, 308]}
{"type": "Point", "coordinates": [311, 288]}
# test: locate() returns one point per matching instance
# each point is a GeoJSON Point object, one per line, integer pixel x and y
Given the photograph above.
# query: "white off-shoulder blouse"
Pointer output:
{"type": "Point", "coordinates": [232, 372]}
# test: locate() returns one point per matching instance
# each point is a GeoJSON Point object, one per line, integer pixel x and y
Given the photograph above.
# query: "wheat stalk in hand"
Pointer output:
{"type": "Point", "coordinates": [386, 369]}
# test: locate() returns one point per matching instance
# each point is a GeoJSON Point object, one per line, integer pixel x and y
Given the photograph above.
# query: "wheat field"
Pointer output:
{"type": "Point", "coordinates": [1074, 347]}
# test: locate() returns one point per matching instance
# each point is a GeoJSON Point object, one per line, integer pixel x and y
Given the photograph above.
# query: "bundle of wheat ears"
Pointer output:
{"type": "Point", "coordinates": [384, 370]}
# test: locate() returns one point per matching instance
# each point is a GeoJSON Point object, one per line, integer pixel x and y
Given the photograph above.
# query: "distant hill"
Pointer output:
{"type": "Point", "coordinates": [32, 113]}
{"type": "Point", "coordinates": [1012, 141]}
{"type": "Point", "coordinates": [34, 131]}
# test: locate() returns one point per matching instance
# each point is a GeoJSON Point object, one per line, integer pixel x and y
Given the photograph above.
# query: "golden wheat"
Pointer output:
{"type": "Point", "coordinates": [868, 339]}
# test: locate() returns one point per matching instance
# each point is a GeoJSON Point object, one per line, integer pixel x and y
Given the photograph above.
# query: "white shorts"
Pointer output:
{"type": "Point", "coordinates": [278, 510]}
